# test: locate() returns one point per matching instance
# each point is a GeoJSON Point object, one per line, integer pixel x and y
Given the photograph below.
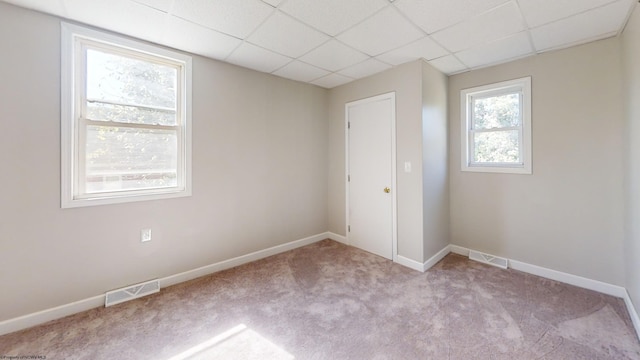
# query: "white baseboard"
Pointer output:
{"type": "Point", "coordinates": [435, 258]}
{"type": "Point", "coordinates": [411, 264]}
{"type": "Point", "coordinates": [459, 250]}
{"type": "Point", "coordinates": [40, 317]}
{"type": "Point", "coordinates": [579, 281]}
{"type": "Point", "coordinates": [240, 260]}
{"type": "Point", "coordinates": [338, 238]}
{"type": "Point", "coordinates": [595, 285]}
{"type": "Point", "coordinates": [416, 265]}
{"type": "Point", "coordinates": [633, 314]}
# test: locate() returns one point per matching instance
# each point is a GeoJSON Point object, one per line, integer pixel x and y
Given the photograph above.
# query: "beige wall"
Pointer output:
{"type": "Point", "coordinates": [262, 149]}
{"type": "Point", "coordinates": [435, 168]}
{"type": "Point", "coordinates": [631, 59]}
{"type": "Point", "coordinates": [420, 101]}
{"type": "Point", "coordinates": [567, 215]}
{"type": "Point", "coordinates": [405, 80]}
{"type": "Point", "coordinates": [259, 178]}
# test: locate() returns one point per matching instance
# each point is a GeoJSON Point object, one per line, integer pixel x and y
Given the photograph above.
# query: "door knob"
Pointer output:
{"type": "Point", "coordinates": [387, 190]}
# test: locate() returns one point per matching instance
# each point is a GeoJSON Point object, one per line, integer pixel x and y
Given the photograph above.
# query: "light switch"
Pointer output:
{"type": "Point", "coordinates": [145, 235]}
{"type": "Point", "coordinates": [407, 166]}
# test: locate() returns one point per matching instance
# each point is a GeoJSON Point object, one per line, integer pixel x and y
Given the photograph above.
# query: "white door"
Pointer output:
{"type": "Point", "coordinates": [371, 175]}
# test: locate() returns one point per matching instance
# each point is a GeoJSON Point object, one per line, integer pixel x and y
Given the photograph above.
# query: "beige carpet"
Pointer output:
{"type": "Point", "coordinates": [330, 301]}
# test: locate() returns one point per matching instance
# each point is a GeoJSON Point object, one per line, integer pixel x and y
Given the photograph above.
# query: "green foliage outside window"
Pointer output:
{"type": "Point", "coordinates": [494, 139]}
{"type": "Point", "coordinates": [124, 90]}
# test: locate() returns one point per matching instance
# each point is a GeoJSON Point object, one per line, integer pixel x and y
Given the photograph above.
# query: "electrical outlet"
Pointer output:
{"type": "Point", "coordinates": [145, 235]}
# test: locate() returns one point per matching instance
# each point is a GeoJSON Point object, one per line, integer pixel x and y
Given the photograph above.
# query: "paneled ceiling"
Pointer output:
{"type": "Point", "coordinates": [333, 42]}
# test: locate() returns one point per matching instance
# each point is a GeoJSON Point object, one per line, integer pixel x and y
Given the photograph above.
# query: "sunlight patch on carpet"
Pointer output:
{"type": "Point", "coordinates": [603, 330]}
{"type": "Point", "coordinates": [239, 342]}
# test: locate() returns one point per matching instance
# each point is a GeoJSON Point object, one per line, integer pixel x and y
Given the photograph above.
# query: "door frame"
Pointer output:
{"type": "Point", "coordinates": [394, 204]}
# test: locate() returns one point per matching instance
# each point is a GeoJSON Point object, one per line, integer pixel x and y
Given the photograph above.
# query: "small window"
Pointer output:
{"type": "Point", "coordinates": [125, 120]}
{"type": "Point", "coordinates": [496, 127]}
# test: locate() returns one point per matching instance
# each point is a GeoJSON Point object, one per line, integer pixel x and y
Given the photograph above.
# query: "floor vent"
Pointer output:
{"type": "Point", "coordinates": [131, 292]}
{"type": "Point", "coordinates": [488, 259]}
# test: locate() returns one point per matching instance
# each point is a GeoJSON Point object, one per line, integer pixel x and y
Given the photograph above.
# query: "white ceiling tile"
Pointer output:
{"type": "Point", "coordinates": [498, 51]}
{"type": "Point", "coordinates": [365, 68]}
{"type": "Point", "coordinates": [162, 5]}
{"type": "Point", "coordinates": [384, 31]}
{"type": "Point", "coordinates": [424, 48]}
{"type": "Point", "coordinates": [273, 3]}
{"type": "Point", "coordinates": [257, 58]}
{"type": "Point", "coordinates": [287, 36]}
{"type": "Point", "coordinates": [55, 7]}
{"type": "Point", "coordinates": [333, 56]}
{"type": "Point", "coordinates": [591, 25]}
{"type": "Point", "coordinates": [122, 16]}
{"type": "Point", "coordinates": [479, 32]}
{"type": "Point", "coordinates": [434, 15]}
{"type": "Point", "coordinates": [331, 81]}
{"type": "Point", "coordinates": [539, 12]}
{"type": "Point", "coordinates": [300, 71]}
{"type": "Point", "coordinates": [234, 17]}
{"type": "Point", "coordinates": [448, 64]}
{"type": "Point", "coordinates": [332, 16]}
{"type": "Point", "coordinates": [198, 39]}
{"type": "Point", "coordinates": [495, 24]}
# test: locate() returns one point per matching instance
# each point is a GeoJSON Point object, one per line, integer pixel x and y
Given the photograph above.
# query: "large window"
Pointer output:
{"type": "Point", "coordinates": [496, 127]}
{"type": "Point", "coordinates": [125, 120]}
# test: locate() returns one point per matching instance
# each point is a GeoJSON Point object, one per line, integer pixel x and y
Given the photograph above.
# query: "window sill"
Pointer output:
{"type": "Point", "coordinates": [521, 170]}
{"type": "Point", "coordinates": [68, 203]}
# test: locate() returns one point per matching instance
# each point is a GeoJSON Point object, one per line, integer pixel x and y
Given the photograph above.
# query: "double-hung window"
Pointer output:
{"type": "Point", "coordinates": [125, 119]}
{"type": "Point", "coordinates": [496, 127]}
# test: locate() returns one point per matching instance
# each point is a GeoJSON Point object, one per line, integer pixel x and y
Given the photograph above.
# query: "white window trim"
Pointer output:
{"type": "Point", "coordinates": [70, 111]}
{"type": "Point", "coordinates": [466, 148]}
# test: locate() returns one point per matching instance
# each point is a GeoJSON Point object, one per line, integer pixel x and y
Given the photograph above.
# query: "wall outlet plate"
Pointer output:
{"type": "Point", "coordinates": [145, 235]}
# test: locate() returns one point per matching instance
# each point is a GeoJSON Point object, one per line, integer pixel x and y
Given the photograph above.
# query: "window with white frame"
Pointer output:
{"type": "Point", "coordinates": [126, 120]}
{"type": "Point", "coordinates": [496, 127]}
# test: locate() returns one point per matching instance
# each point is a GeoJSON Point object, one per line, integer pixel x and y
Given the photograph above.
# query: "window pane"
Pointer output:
{"type": "Point", "coordinates": [129, 114]}
{"type": "Point", "coordinates": [496, 147]}
{"type": "Point", "coordinates": [121, 80]}
{"type": "Point", "coordinates": [496, 112]}
{"type": "Point", "coordinates": [120, 159]}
